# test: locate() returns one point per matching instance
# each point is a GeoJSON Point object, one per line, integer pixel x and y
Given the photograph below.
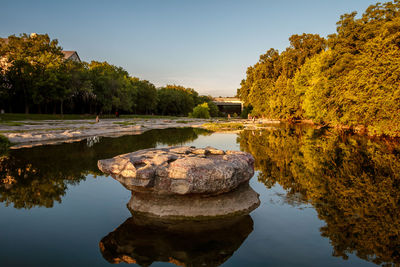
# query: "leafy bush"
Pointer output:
{"type": "Point", "coordinates": [201, 111]}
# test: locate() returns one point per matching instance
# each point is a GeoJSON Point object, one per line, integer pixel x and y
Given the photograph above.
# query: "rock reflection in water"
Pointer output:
{"type": "Point", "coordinates": [144, 240]}
{"type": "Point", "coordinates": [90, 141]}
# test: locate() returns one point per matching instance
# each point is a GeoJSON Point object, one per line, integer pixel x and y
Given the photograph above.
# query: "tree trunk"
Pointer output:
{"type": "Point", "coordinates": [26, 101]}
{"type": "Point", "coordinates": [54, 108]}
{"type": "Point", "coordinates": [61, 108]}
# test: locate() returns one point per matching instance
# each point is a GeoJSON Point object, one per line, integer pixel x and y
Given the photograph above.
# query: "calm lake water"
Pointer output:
{"type": "Point", "coordinates": [326, 200]}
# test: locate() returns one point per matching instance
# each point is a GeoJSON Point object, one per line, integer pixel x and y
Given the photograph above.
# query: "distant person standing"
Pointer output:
{"type": "Point", "coordinates": [116, 114]}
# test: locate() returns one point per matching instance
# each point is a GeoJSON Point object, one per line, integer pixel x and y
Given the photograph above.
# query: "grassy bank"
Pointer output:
{"type": "Point", "coordinates": [223, 126]}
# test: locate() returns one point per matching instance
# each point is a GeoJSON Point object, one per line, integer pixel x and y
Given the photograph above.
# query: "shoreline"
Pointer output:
{"type": "Point", "coordinates": [31, 133]}
{"type": "Point", "coordinates": [47, 132]}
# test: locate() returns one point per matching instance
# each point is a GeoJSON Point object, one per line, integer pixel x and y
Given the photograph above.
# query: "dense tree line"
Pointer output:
{"type": "Point", "coordinates": [352, 182]}
{"type": "Point", "coordinates": [35, 77]}
{"type": "Point", "coordinates": [351, 78]}
{"type": "Point", "coordinates": [176, 100]}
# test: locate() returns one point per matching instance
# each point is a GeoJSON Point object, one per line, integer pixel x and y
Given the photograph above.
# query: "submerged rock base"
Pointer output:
{"type": "Point", "coordinates": [240, 201]}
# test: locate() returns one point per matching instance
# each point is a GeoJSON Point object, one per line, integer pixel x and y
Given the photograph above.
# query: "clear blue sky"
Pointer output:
{"type": "Point", "coordinates": [206, 45]}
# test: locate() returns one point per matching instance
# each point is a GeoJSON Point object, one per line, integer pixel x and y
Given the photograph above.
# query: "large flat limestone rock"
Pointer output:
{"type": "Point", "coordinates": [180, 170]}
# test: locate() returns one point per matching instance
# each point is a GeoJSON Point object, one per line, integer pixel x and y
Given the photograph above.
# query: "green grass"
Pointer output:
{"type": "Point", "coordinates": [11, 123]}
{"type": "Point", "coordinates": [20, 117]}
{"type": "Point", "coordinates": [223, 126]}
{"type": "Point", "coordinates": [181, 121]}
{"type": "Point", "coordinates": [125, 123]}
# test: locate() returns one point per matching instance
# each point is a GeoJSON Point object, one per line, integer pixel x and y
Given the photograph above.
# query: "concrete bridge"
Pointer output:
{"type": "Point", "coordinates": [229, 105]}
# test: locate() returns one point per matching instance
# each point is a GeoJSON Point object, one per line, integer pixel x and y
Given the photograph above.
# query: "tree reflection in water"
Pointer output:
{"type": "Point", "coordinates": [353, 183]}
{"type": "Point", "coordinates": [40, 176]}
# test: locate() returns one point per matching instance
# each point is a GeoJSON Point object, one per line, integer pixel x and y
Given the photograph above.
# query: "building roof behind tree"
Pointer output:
{"type": "Point", "coordinates": [5, 40]}
{"type": "Point", "coordinates": [228, 100]}
{"type": "Point", "coordinates": [68, 55]}
{"type": "Point", "coordinates": [71, 55]}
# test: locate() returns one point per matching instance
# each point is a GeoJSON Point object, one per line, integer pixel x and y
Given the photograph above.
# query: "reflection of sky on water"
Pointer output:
{"type": "Point", "coordinates": [225, 141]}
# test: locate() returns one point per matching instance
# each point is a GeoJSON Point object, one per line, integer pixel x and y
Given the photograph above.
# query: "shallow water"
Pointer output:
{"type": "Point", "coordinates": [326, 200]}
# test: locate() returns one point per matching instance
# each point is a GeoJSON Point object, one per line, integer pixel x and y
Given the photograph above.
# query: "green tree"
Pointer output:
{"type": "Point", "coordinates": [175, 100]}
{"type": "Point", "coordinates": [30, 62]}
{"type": "Point", "coordinates": [350, 79]}
{"type": "Point", "coordinates": [268, 86]}
{"type": "Point", "coordinates": [146, 99]}
{"type": "Point", "coordinates": [214, 111]}
{"type": "Point", "coordinates": [112, 87]}
{"type": "Point", "coordinates": [78, 86]}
